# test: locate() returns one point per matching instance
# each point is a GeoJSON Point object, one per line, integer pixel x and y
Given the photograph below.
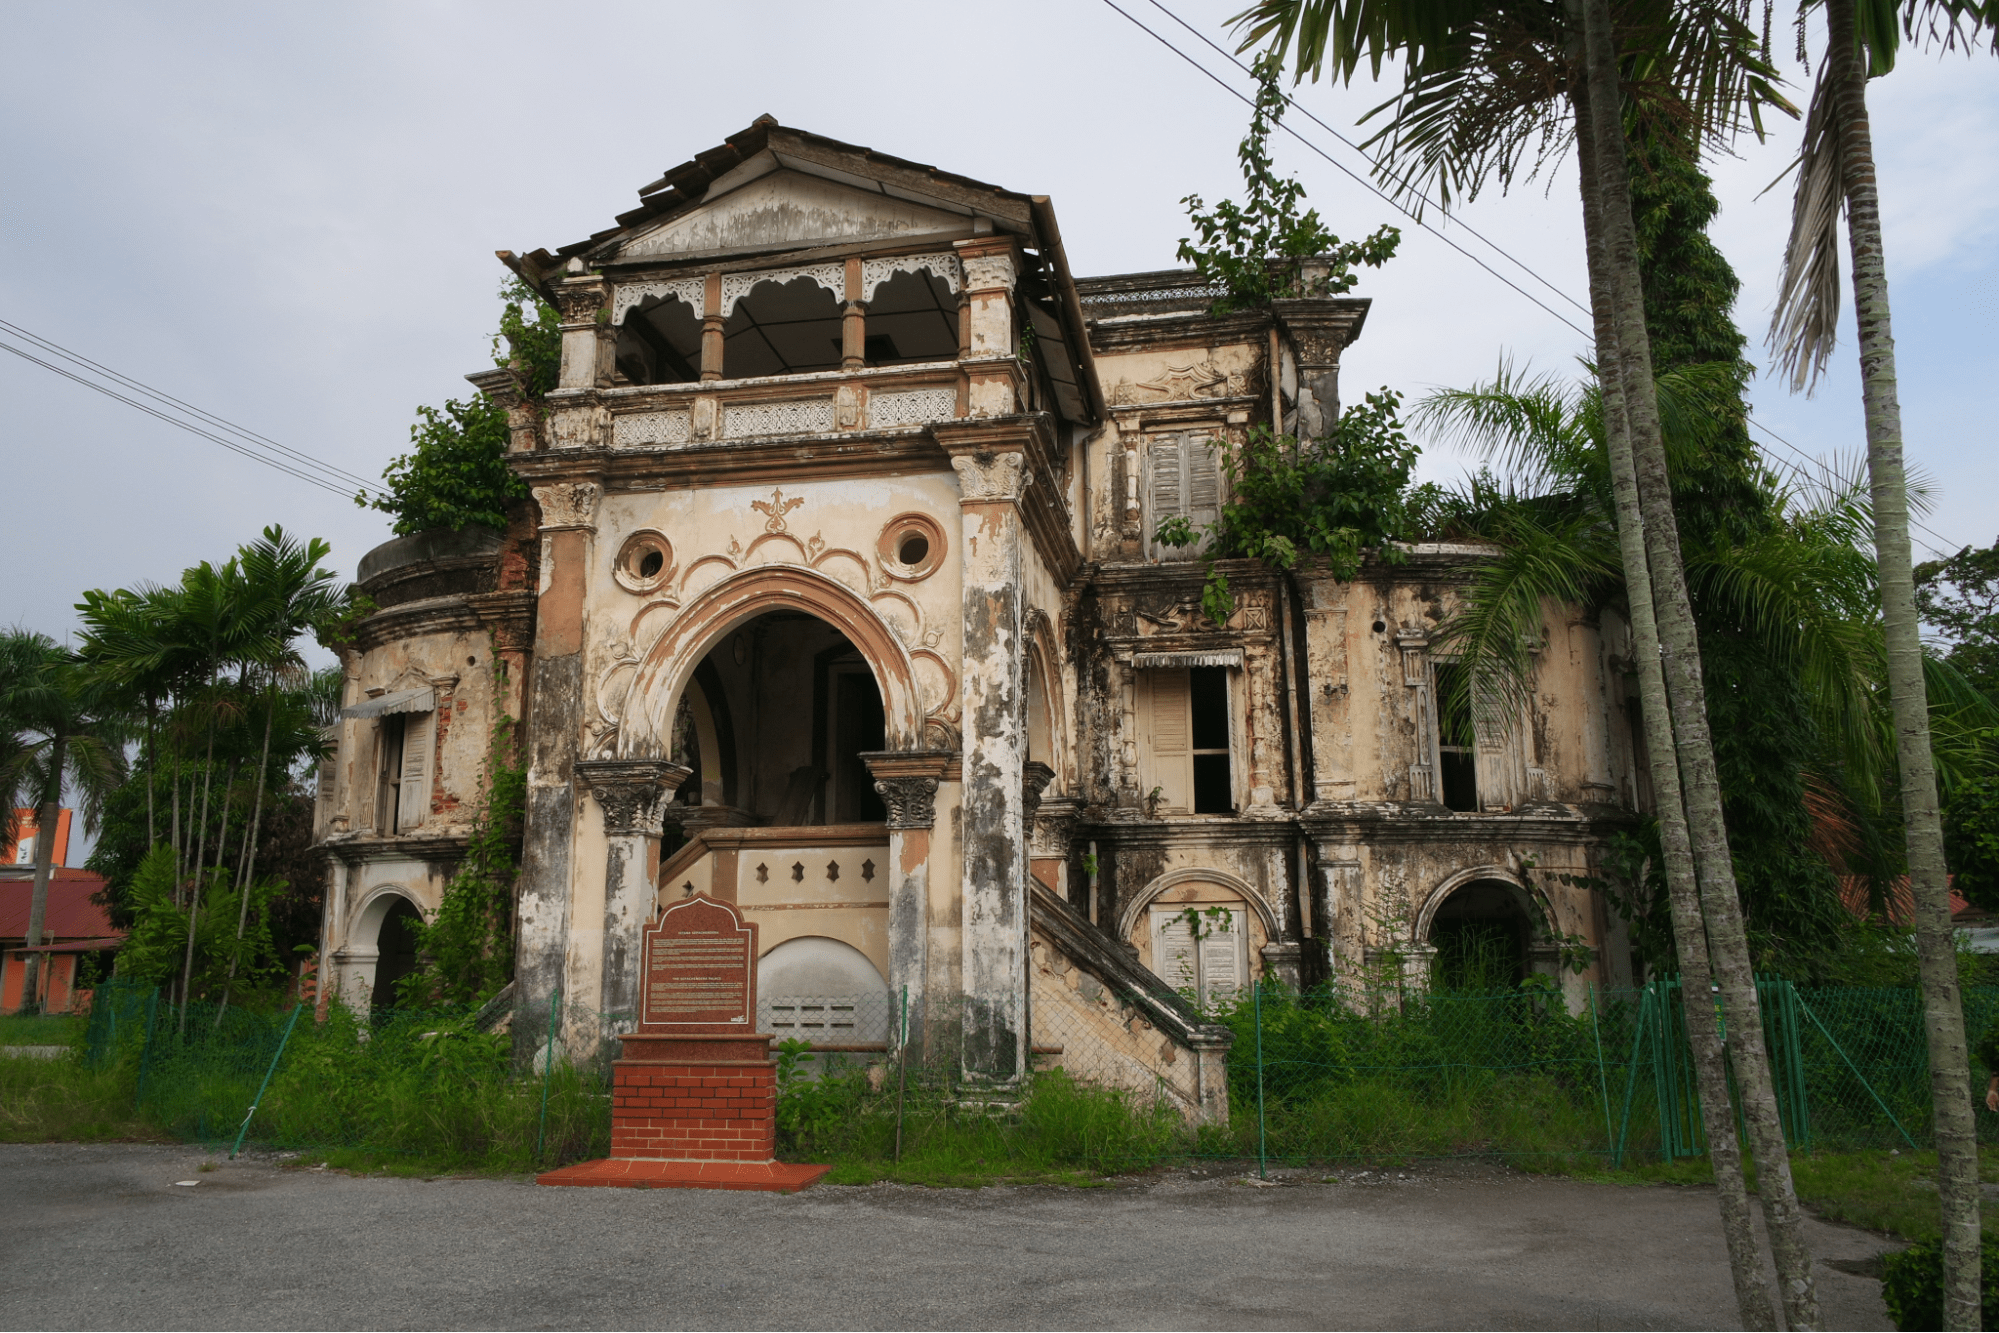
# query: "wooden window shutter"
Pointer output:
{"type": "Point", "coordinates": [1223, 971]}
{"type": "Point", "coordinates": [414, 802]}
{"type": "Point", "coordinates": [1168, 495]}
{"type": "Point", "coordinates": [1173, 955]}
{"type": "Point", "coordinates": [1204, 481]}
{"type": "Point", "coordinates": [1168, 725]}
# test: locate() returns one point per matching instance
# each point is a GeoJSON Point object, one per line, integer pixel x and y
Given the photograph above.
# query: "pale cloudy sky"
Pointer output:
{"type": "Point", "coordinates": [287, 214]}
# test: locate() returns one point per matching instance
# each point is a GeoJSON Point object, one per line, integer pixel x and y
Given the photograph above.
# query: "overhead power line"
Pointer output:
{"type": "Point", "coordinates": [1787, 465]}
{"type": "Point", "coordinates": [196, 421]}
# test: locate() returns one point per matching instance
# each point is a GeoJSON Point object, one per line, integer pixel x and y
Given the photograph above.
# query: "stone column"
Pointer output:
{"type": "Point", "coordinates": [853, 321]}
{"type": "Point", "coordinates": [1328, 689]}
{"type": "Point", "coordinates": [991, 478]}
{"type": "Point", "coordinates": [632, 794]}
{"type": "Point", "coordinates": [711, 328]}
{"type": "Point", "coordinates": [907, 781]}
{"type": "Point", "coordinates": [1319, 329]}
{"type": "Point", "coordinates": [581, 299]}
{"type": "Point", "coordinates": [992, 370]}
{"type": "Point", "coordinates": [568, 529]}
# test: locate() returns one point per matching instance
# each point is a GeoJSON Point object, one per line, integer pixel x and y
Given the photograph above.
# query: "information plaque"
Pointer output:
{"type": "Point", "coordinates": [700, 961]}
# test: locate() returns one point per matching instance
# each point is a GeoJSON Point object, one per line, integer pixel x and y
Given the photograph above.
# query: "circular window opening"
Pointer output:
{"type": "Point", "coordinates": [643, 562]}
{"type": "Point", "coordinates": [911, 546]}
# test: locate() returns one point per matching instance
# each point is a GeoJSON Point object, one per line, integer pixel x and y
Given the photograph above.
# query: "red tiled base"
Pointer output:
{"type": "Point", "coordinates": [655, 1173]}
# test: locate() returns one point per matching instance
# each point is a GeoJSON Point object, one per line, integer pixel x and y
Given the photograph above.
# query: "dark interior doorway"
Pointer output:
{"type": "Point", "coordinates": [396, 950]}
{"type": "Point", "coordinates": [1481, 933]}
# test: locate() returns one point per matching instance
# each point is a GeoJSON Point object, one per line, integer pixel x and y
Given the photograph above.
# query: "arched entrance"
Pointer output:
{"type": "Point", "coordinates": [384, 945]}
{"type": "Point", "coordinates": [775, 719]}
{"type": "Point", "coordinates": [1481, 932]}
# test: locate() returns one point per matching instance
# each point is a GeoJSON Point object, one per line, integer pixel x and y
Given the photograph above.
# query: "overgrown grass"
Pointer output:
{"type": "Point", "coordinates": [40, 1029]}
{"type": "Point", "coordinates": [66, 1101]}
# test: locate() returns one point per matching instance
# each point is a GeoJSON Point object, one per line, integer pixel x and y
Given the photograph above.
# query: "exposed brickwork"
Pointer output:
{"type": "Point", "coordinates": [719, 1111]}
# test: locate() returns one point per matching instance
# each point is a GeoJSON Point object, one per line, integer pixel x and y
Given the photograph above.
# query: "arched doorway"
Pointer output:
{"type": "Point", "coordinates": [784, 705]}
{"type": "Point", "coordinates": [823, 991]}
{"type": "Point", "coordinates": [1480, 934]}
{"type": "Point", "coordinates": [395, 951]}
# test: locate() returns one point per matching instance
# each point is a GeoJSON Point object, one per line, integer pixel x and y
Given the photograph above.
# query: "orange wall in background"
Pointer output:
{"type": "Point", "coordinates": [22, 850]}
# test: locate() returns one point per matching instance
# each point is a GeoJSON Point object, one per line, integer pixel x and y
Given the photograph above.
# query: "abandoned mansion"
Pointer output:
{"type": "Point", "coordinates": [840, 598]}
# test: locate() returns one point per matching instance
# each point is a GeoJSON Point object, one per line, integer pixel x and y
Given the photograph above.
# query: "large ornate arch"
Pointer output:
{"type": "Point", "coordinates": [1540, 915]}
{"type": "Point", "coordinates": [374, 909]}
{"type": "Point", "coordinates": [1128, 915]}
{"type": "Point", "coordinates": [669, 663]}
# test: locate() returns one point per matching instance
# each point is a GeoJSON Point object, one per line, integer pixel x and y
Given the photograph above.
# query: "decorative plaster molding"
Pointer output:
{"type": "Point", "coordinates": [579, 302]}
{"type": "Point", "coordinates": [790, 416]}
{"type": "Point", "coordinates": [874, 272]}
{"type": "Point", "coordinates": [1034, 779]}
{"type": "Point", "coordinates": [984, 477]}
{"type": "Point", "coordinates": [569, 504]}
{"type": "Point", "coordinates": [912, 802]}
{"type": "Point", "coordinates": [693, 291]}
{"type": "Point", "coordinates": [632, 792]}
{"type": "Point", "coordinates": [735, 286]}
{"type": "Point", "coordinates": [913, 407]}
{"type": "Point", "coordinates": [984, 273]}
{"type": "Point", "coordinates": [643, 428]}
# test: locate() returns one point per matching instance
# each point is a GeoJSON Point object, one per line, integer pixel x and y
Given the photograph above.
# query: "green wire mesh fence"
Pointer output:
{"type": "Point", "coordinates": [1525, 1074]}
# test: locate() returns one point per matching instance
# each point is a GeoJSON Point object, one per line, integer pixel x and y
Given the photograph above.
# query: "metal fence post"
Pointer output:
{"type": "Point", "coordinates": [902, 1072]}
{"type": "Point", "coordinates": [1602, 1077]}
{"type": "Point", "coordinates": [1262, 1139]}
{"type": "Point", "coordinates": [1631, 1076]}
{"type": "Point", "coordinates": [146, 1048]}
{"type": "Point", "coordinates": [548, 1072]}
{"type": "Point", "coordinates": [265, 1085]}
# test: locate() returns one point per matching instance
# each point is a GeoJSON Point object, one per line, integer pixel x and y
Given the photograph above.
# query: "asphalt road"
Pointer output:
{"type": "Point", "coordinates": [100, 1236]}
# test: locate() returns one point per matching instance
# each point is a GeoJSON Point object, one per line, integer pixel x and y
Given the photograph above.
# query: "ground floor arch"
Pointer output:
{"type": "Point", "coordinates": [1482, 929]}
{"type": "Point", "coordinates": [824, 991]}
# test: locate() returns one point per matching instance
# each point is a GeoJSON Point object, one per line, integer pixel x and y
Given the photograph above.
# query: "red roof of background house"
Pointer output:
{"type": "Point", "coordinates": [70, 915]}
{"type": "Point", "coordinates": [1901, 902]}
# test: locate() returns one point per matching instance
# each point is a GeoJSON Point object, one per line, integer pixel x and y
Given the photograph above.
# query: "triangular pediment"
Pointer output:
{"type": "Point", "coordinates": [788, 210]}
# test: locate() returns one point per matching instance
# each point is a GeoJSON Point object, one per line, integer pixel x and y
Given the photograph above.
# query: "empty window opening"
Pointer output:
{"type": "Point", "coordinates": [1208, 699]}
{"type": "Point", "coordinates": [1480, 933]}
{"type": "Point", "coordinates": [782, 329]}
{"type": "Point", "coordinates": [651, 563]}
{"type": "Point", "coordinates": [913, 317]}
{"type": "Point", "coordinates": [915, 546]}
{"type": "Point", "coordinates": [396, 950]}
{"type": "Point", "coordinates": [1186, 483]}
{"type": "Point", "coordinates": [660, 343]}
{"type": "Point", "coordinates": [1457, 747]}
{"type": "Point", "coordinates": [1186, 717]}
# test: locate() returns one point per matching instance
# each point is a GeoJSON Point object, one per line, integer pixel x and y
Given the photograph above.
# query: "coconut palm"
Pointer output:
{"type": "Point", "coordinates": [66, 728]}
{"type": "Point", "coordinates": [1490, 91]}
{"type": "Point", "coordinates": [1836, 168]}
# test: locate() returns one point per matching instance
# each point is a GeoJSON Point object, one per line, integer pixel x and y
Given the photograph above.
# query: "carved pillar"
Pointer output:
{"type": "Point", "coordinates": [1328, 689]}
{"type": "Point", "coordinates": [568, 526]}
{"type": "Point", "coordinates": [991, 478]}
{"type": "Point", "coordinates": [994, 375]}
{"type": "Point", "coordinates": [581, 299]}
{"type": "Point", "coordinates": [711, 329]}
{"type": "Point", "coordinates": [1319, 330]}
{"type": "Point", "coordinates": [632, 794]}
{"type": "Point", "coordinates": [907, 781]}
{"type": "Point", "coordinates": [853, 321]}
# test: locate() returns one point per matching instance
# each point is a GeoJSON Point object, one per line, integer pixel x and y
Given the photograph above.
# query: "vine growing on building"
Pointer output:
{"type": "Point", "coordinates": [467, 950]}
{"type": "Point", "coordinates": [1256, 250]}
{"type": "Point", "coordinates": [1334, 497]}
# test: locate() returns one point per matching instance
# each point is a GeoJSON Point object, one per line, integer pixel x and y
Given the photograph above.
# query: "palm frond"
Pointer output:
{"type": "Point", "coordinates": [1804, 328]}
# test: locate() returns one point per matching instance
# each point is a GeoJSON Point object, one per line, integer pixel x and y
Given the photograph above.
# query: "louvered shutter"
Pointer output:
{"type": "Point", "coordinates": [1173, 954]}
{"type": "Point", "coordinates": [1222, 961]}
{"type": "Point", "coordinates": [414, 802]}
{"type": "Point", "coordinates": [1204, 481]}
{"type": "Point", "coordinates": [1172, 744]}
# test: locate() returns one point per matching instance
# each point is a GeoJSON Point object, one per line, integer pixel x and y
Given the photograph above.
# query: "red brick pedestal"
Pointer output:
{"type": "Point", "coordinates": [693, 1110]}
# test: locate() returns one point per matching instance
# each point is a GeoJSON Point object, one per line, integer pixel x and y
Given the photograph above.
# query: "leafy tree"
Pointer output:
{"type": "Point", "coordinates": [1258, 249]}
{"type": "Point", "coordinates": [1959, 598]}
{"type": "Point", "coordinates": [457, 474]}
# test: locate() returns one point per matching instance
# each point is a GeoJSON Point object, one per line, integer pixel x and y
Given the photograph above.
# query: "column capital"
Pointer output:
{"type": "Point", "coordinates": [907, 781]}
{"type": "Point", "coordinates": [1034, 779]}
{"type": "Point", "coordinates": [1320, 328]}
{"type": "Point", "coordinates": [632, 792]}
{"type": "Point", "coordinates": [989, 262]}
{"type": "Point", "coordinates": [569, 504]}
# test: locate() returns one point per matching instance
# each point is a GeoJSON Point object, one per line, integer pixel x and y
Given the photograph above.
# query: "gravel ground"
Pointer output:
{"type": "Point", "coordinates": [101, 1236]}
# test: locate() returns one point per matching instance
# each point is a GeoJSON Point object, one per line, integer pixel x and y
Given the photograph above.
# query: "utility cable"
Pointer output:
{"type": "Point", "coordinates": [1371, 188]}
{"type": "Point", "coordinates": [187, 426]}
{"type": "Point", "coordinates": [255, 440]}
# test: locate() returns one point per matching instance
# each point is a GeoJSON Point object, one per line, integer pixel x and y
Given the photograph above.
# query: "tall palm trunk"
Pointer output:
{"type": "Point", "coordinates": [1936, 952]}
{"type": "Point", "coordinates": [248, 872]}
{"type": "Point", "coordinates": [152, 718]}
{"type": "Point", "coordinates": [46, 815]}
{"type": "Point", "coordinates": [1680, 655]}
{"type": "Point", "coordinates": [1745, 1260]}
{"type": "Point", "coordinates": [200, 851]}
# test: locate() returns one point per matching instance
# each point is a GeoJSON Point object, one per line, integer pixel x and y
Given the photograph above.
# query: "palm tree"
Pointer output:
{"type": "Point", "coordinates": [1836, 167]}
{"type": "Point", "coordinates": [66, 729]}
{"type": "Point", "coordinates": [288, 592]}
{"type": "Point", "coordinates": [1483, 85]}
